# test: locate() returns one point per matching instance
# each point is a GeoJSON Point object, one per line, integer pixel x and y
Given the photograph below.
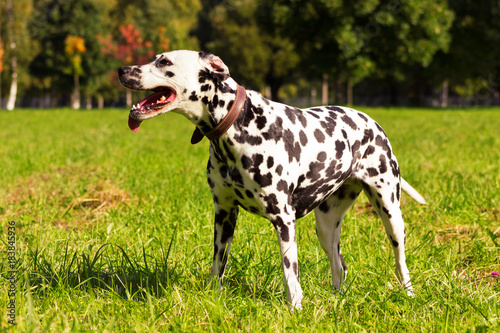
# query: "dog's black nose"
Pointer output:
{"type": "Point", "coordinates": [123, 70]}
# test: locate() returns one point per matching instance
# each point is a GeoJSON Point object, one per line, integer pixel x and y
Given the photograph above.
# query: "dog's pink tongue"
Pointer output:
{"type": "Point", "coordinates": [133, 124]}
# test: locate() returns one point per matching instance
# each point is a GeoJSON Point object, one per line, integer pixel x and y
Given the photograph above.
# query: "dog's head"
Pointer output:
{"type": "Point", "coordinates": [175, 78]}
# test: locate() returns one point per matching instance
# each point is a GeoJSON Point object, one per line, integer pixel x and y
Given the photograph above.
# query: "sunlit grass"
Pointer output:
{"type": "Point", "coordinates": [114, 232]}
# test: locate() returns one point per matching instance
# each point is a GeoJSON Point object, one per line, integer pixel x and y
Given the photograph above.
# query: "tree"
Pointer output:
{"type": "Point", "coordinates": [52, 23]}
{"type": "Point", "coordinates": [240, 32]}
{"type": "Point", "coordinates": [74, 48]}
{"type": "Point", "coordinates": [367, 37]}
{"type": "Point", "coordinates": [160, 21]}
{"type": "Point", "coordinates": [471, 67]}
{"type": "Point", "coordinates": [16, 46]}
{"type": "Point", "coordinates": [129, 48]}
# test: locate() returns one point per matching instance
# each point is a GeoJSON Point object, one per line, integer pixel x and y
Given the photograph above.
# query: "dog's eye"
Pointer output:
{"type": "Point", "coordinates": [164, 62]}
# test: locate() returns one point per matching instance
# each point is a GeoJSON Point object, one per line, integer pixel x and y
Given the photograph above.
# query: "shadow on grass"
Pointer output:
{"type": "Point", "coordinates": [109, 269]}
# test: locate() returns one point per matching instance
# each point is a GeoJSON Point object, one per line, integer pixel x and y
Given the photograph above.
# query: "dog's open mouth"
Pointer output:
{"type": "Point", "coordinates": [150, 106]}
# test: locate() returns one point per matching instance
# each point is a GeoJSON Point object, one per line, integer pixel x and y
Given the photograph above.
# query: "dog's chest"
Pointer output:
{"type": "Point", "coordinates": [234, 185]}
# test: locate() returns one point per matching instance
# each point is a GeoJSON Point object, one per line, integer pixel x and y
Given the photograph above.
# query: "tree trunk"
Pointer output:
{"type": "Point", "coordinates": [349, 92]}
{"type": "Point", "coordinates": [338, 90]}
{"type": "Point", "coordinates": [128, 99]}
{"type": "Point", "coordinates": [75, 97]}
{"type": "Point", "coordinates": [267, 92]}
{"type": "Point", "coordinates": [11, 102]}
{"type": "Point", "coordinates": [88, 102]}
{"type": "Point", "coordinates": [444, 93]}
{"type": "Point", "coordinates": [100, 102]}
{"type": "Point", "coordinates": [324, 90]}
{"type": "Point", "coordinates": [394, 93]}
{"type": "Point", "coordinates": [314, 94]}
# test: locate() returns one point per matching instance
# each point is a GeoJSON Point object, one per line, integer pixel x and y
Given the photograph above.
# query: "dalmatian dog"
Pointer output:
{"type": "Point", "coordinates": [277, 161]}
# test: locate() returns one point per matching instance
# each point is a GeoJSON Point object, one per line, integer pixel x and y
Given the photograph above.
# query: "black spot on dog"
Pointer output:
{"type": "Point", "coordinates": [382, 168]}
{"type": "Point", "coordinates": [384, 144]}
{"type": "Point", "coordinates": [339, 149]}
{"type": "Point", "coordinates": [394, 242]}
{"type": "Point", "coordinates": [246, 162]}
{"type": "Point", "coordinates": [290, 114]}
{"type": "Point", "coordinates": [270, 162]}
{"type": "Point", "coordinates": [314, 170]}
{"type": "Point", "coordinates": [291, 147]}
{"type": "Point", "coordinates": [344, 266]}
{"type": "Point", "coordinates": [372, 172]}
{"type": "Point", "coordinates": [341, 193]}
{"type": "Point", "coordinates": [320, 137]}
{"type": "Point", "coordinates": [272, 204]}
{"type": "Point", "coordinates": [335, 108]}
{"type": "Point", "coordinates": [131, 83]}
{"type": "Point", "coordinates": [394, 168]}
{"type": "Point", "coordinates": [275, 131]}
{"type": "Point", "coordinates": [227, 232]}
{"type": "Point", "coordinates": [282, 228]}
{"type": "Point", "coordinates": [368, 136]}
{"type": "Point", "coordinates": [295, 267]}
{"type": "Point", "coordinates": [324, 207]}
{"type": "Point", "coordinates": [282, 186]}
{"type": "Point", "coordinates": [349, 122]}
{"type": "Point", "coordinates": [245, 137]}
{"type": "Point", "coordinates": [313, 114]}
{"type": "Point", "coordinates": [193, 97]}
{"type": "Point", "coordinates": [321, 156]}
{"type": "Point", "coordinates": [369, 150]}
{"type": "Point", "coordinates": [257, 160]}
{"type": "Point", "coordinates": [261, 122]}
{"type": "Point", "coordinates": [362, 116]}
{"type": "Point", "coordinates": [238, 193]}
{"type": "Point", "coordinates": [286, 262]}
{"type": "Point", "coordinates": [279, 170]}
{"type": "Point", "coordinates": [169, 74]}
{"type": "Point", "coordinates": [303, 138]}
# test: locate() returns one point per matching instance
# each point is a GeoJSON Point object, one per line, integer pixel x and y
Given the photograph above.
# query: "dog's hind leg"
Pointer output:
{"type": "Point", "coordinates": [384, 198]}
{"type": "Point", "coordinates": [329, 216]}
{"type": "Point", "coordinates": [225, 222]}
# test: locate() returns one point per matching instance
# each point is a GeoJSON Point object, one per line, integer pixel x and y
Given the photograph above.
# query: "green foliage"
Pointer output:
{"type": "Point", "coordinates": [472, 57]}
{"type": "Point", "coordinates": [242, 33]}
{"type": "Point", "coordinates": [160, 19]}
{"type": "Point", "coordinates": [114, 232]}
{"type": "Point", "coordinates": [52, 23]}
{"type": "Point", "coordinates": [405, 48]}
{"type": "Point", "coordinates": [26, 46]}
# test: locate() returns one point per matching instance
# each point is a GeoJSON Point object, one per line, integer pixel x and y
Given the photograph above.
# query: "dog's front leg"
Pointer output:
{"type": "Point", "coordinates": [225, 222]}
{"type": "Point", "coordinates": [285, 229]}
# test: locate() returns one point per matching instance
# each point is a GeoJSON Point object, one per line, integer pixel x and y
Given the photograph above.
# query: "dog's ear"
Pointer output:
{"type": "Point", "coordinates": [215, 66]}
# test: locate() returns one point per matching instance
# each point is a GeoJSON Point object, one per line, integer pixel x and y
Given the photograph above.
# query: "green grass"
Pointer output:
{"type": "Point", "coordinates": [114, 232]}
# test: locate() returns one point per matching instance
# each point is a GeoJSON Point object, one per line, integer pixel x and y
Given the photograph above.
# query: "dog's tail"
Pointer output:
{"type": "Point", "coordinates": [412, 192]}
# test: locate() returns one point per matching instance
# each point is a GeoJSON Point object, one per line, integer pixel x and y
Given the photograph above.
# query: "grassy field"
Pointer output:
{"type": "Point", "coordinates": [114, 232]}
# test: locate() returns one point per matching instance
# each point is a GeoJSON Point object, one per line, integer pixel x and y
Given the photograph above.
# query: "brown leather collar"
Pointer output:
{"type": "Point", "coordinates": [225, 123]}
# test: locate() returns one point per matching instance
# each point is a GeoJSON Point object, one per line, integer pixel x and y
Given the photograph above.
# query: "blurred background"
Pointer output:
{"type": "Point", "coordinates": [437, 53]}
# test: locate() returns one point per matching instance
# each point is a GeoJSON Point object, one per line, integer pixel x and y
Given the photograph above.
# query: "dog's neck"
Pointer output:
{"type": "Point", "coordinates": [211, 105]}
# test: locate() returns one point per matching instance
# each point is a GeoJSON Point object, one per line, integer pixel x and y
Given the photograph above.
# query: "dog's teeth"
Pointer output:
{"type": "Point", "coordinates": [162, 98]}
